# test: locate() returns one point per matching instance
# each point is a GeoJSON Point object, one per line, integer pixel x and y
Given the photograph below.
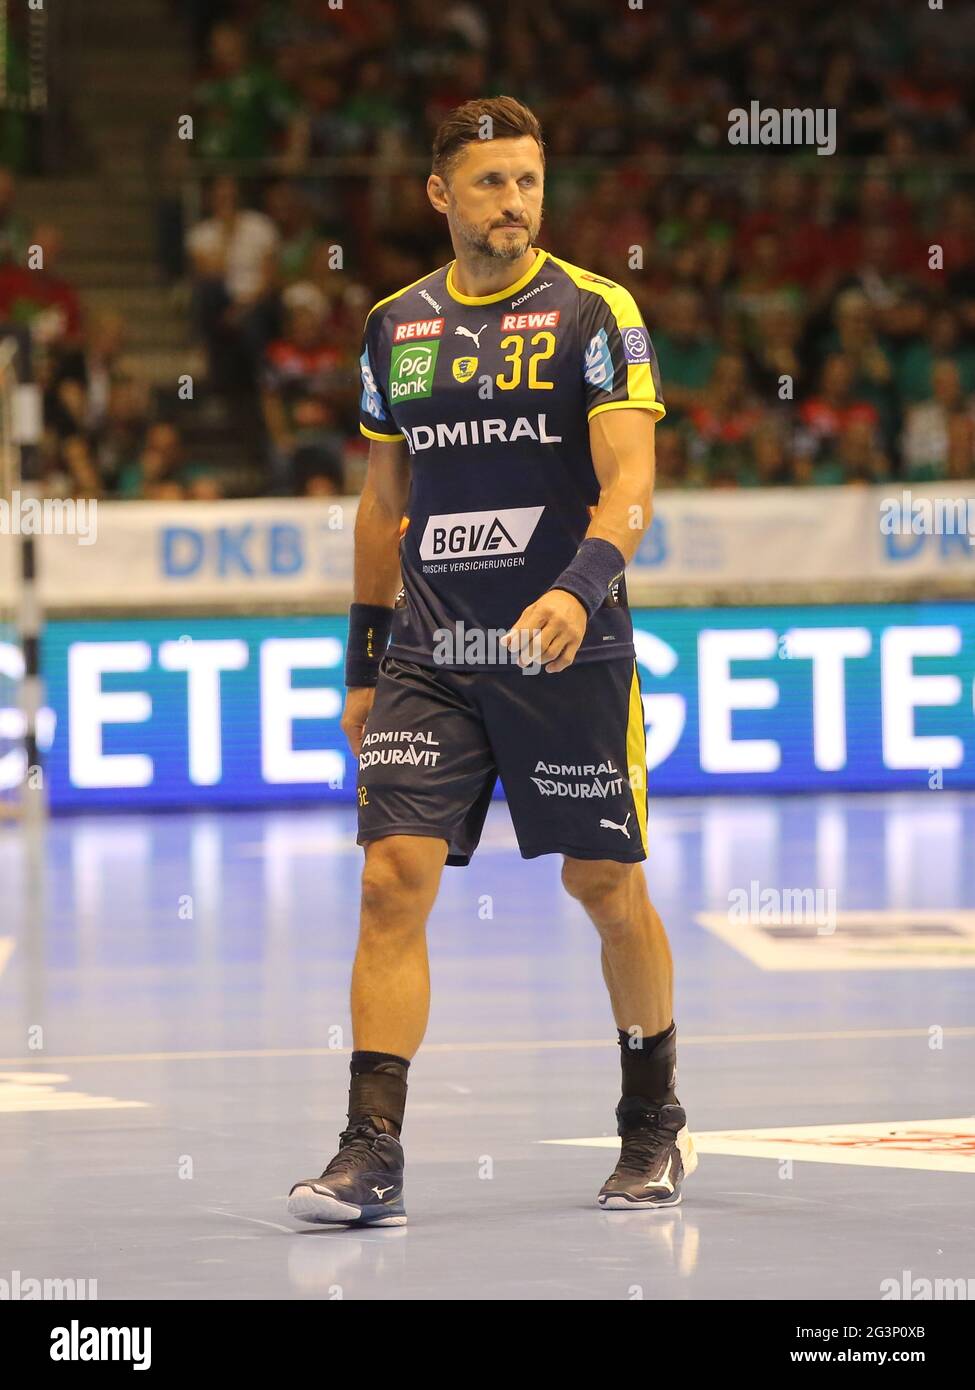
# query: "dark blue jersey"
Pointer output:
{"type": "Point", "coordinates": [493, 396]}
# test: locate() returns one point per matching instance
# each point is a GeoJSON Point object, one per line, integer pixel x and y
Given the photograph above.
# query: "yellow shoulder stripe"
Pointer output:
{"type": "Point", "coordinates": [620, 300]}
{"type": "Point", "coordinates": [383, 438]}
{"type": "Point", "coordinates": [640, 385]}
{"type": "Point", "coordinates": [396, 293]}
{"type": "Point", "coordinates": [657, 407]}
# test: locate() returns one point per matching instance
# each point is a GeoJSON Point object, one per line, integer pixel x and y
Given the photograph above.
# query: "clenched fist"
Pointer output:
{"type": "Point", "coordinates": [549, 631]}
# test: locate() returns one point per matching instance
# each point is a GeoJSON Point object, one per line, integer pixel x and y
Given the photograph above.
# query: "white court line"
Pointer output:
{"type": "Point", "coordinates": [536, 1045]}
{"type": "Point", "coordinates": [289, 1230]}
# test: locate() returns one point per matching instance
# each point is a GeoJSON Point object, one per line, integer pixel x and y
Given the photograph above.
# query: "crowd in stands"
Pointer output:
{"type": "Point", "coordinates": [807, 331]}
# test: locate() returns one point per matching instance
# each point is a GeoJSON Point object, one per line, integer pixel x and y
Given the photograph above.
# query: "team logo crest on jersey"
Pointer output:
{"type": "Point", "coordinates": [417, 328]}
{"type": "Point", "coordinates": [411, 370]}
{"type": "Point", "coordinates": [464, 368]}
{"type": "Point", "coordinates": [636, 345]}
{"type": "Point", "coordinates": [598, 362]}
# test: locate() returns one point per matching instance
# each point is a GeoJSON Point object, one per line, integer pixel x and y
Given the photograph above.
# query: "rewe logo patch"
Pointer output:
{"type": "Point", "coordinates": [418, 328]}
{"type": "Point", "coordinates": [462, 534]}
{"type": "Point", "coordinates": [540, 318]}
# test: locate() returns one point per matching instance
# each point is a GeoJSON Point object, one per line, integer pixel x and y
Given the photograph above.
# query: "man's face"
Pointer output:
{"type": "Point", "coordinates": [493, 200]}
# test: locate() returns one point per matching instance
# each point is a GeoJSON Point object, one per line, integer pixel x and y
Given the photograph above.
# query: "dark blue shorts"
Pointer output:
{"type": "Point", "coordinates": [570, 750]}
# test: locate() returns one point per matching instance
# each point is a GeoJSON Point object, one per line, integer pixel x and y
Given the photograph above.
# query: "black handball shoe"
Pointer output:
{"type": "Point", "coordinates": [363, 1183]}
{"type": "Point", "coordinates": [657, 1154]}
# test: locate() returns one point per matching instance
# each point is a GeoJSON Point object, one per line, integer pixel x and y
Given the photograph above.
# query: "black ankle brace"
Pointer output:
{"type": "Point", "coordinates": [650, 1066]}
{"type": "Point", "coordinates": [378, 1087]}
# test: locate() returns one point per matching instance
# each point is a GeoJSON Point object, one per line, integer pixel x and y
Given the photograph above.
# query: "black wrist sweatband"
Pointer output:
{"type": "Point", "coordinates": [597, 563]}
{"type": "Point", "coordinates": [369, 628]}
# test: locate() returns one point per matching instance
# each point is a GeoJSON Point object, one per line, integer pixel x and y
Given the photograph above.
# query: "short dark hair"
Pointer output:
{"type": "Point", "coordinates": [504, 117]}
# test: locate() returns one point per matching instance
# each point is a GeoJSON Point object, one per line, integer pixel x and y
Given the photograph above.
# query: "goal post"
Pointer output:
{"type": "Point", "coordinates": [21, 778]}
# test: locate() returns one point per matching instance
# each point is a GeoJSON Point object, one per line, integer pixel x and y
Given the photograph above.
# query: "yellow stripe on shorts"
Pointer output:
{"type": "Point", "coordinates": [636, 756]}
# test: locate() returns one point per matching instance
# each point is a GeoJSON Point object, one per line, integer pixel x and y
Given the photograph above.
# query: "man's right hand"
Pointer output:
{"type": "Point", "coordinates": [358, 703]}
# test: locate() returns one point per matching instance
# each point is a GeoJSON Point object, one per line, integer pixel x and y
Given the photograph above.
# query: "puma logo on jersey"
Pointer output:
{"type": "Point", "coordinates": [468, 334]}
{"type": "Point", "coordinates": [611, 825]}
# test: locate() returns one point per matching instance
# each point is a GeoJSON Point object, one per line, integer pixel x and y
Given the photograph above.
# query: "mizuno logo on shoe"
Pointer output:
{"type": "Point", "coordinates": [381, 1191]}
{"type": "Point", "coordinates": [665, 1181]}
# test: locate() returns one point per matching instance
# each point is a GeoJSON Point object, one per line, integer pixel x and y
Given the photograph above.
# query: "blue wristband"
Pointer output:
{"type": "Point", "coordinates": [597, 563]}
{"type": "Point", "coordinates": [369, 627]}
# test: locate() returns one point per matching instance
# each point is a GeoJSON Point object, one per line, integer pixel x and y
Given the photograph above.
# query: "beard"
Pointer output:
{"type": "Point", "coordinates": [510, 247]}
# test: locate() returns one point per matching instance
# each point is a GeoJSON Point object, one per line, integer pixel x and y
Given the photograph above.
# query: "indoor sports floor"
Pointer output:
{"type": "Point", "coordinates": [189, 975]}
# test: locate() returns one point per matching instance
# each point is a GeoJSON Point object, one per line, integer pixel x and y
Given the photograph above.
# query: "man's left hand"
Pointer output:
{"type": "Point", "coordinates": [549, 631]}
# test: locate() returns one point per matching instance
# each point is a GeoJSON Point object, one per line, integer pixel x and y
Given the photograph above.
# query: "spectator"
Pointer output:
{"type": "Point", "coordinates": [777, 361]}
{"type": "Point", "coordinates": [823, 419]}
{"type": "Point", "coordinates": [233, 255]}
{"type": "Point", "coordinates": [941, 339]}
{"type": "Point", "coordinates": [771, 464]}
{"type": "Point", "coordinates": [861, 458]}
{"type": "Point", "coordinates": [33, 292]}
{"type": "Point", "coordinates": [857, 339]}
{"type": "Point", "coordinates": [117, 441]}
{"type": "Point", "coordinates": [83, 376]}
{"type": "Point", "coordinates": [724, 421]}
{"type": "Point", "coordinates": [688, 348]}
{"type": "Point", "coordinates": [288, 209]}
{"type": "Point", "coordinates": [925, 444]}
{"type": "Point", "coordinates": [303, 380]}
{"type": "Point", "coordinates": [160, 471]}
{"type": "Point", "coordinates": [241, 107]}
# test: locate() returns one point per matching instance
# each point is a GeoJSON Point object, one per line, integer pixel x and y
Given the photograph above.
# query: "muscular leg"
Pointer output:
{"type": "Point", "coordinates": [391, 975]}
{"type": "Point", "coordinates": [390, 1004]}
{"type": "Point", "coordinates": [637, 965]}
{"type": "Point", "coordinates": [656, 1152]}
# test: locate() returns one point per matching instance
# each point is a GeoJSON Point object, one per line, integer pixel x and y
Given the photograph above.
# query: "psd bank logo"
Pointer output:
{"type": "Point", "coordinates": [411, 370]}
{"type": "Point", "coordinates": [463, 535]}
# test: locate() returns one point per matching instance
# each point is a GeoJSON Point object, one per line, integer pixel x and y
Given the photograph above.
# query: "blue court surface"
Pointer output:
{"type": "Point", "coordinates": [174, 1041]}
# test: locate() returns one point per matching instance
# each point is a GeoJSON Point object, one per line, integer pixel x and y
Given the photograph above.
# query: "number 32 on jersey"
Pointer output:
{"type": "Point", "coordinates": [543, 347]}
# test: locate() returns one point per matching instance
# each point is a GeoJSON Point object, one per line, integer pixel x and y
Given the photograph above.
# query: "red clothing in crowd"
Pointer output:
{"type": "Point", "coordinates": [25, 293]}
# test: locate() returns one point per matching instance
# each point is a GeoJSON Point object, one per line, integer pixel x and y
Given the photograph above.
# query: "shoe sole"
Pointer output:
{"type": "Point", "coordinates": [306, 1204]}
{"type": "Point", "coordinates": [620, 1202]}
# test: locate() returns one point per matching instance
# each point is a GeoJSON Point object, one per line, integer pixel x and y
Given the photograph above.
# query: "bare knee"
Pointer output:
{"type": "Point", "coordinates": [400, 879]}
{"type": "Point", "coordinates": [605, 890]}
